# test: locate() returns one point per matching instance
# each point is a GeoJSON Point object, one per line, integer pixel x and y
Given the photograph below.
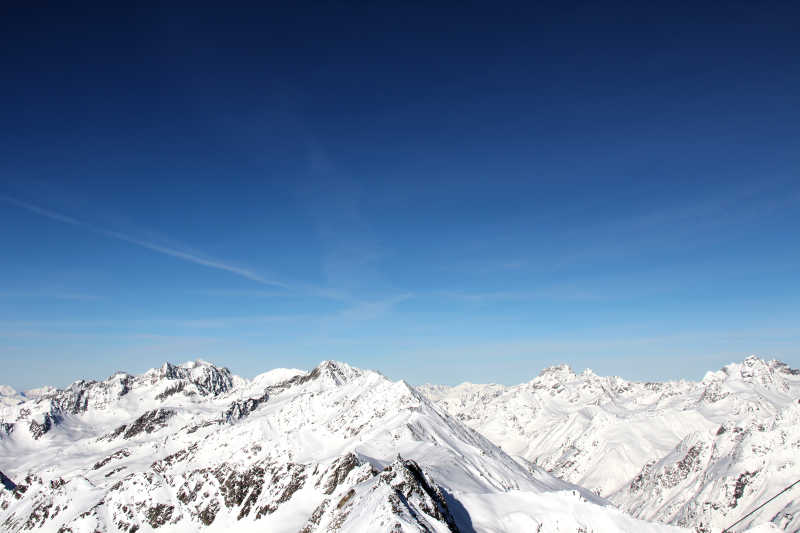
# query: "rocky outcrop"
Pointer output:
{"type": "Point", "coordinates": [403, 496]}
{"type": "Point", "coordinates": [241, 408]}
{"type": "Point", "coordinates": [6, 482]}
{"type": "Point", "coordinates": [38, 429]}
{"type": "Point", "coordinates": [119, 454]}
{"type": "Point", "coordinates": [208, 379]}
{"type": "Point", "coordinates": [147, 423]}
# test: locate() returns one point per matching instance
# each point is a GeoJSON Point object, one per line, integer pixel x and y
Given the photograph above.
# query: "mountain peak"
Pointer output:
{"type": "Point", "coordinates": [751, 367]}
{"type": "Point", "coordinates": [209, 378]}
{"type": "Point", "coordinates": [335, 371]}
{"type": "Point", "coordinates": [558, 372]}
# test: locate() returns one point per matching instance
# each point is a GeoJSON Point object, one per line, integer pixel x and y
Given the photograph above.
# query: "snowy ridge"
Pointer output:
{"type": "Point", "coordinates": [695, 454]}
{"type": "Point", "coordinates": [193, 447]}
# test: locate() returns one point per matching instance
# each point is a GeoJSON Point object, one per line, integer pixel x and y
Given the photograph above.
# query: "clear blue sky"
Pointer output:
{"type": "Point", "coordinates": [464, 193]}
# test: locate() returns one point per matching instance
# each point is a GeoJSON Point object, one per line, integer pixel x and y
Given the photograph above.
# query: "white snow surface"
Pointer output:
{"type": "Point", "coordinates": [276, 376]}
{"type": "Point", "coordinates": [695, 454]}
{"type": "Point", "coordinates": [9, 396]}
{"type": "Point", "coordinates": [193, 447]}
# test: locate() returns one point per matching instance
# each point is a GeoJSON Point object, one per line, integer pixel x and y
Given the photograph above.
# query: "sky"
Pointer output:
{"type": "Point", "coordinates": [462, 193]}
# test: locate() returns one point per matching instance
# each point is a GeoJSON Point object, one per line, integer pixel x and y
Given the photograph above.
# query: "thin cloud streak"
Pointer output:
{"type": "Point", "coordinates": [54, 295]}
{"type": "Point", "coordinates": [236, 293]}
{"type": "Point", "coordinates": [297, 291]}
{"type": "Point", "coordinates": [211, 263]}
{"type": "Point", "coordinates": [43, 212]}
{"type": "Point", "coordinates": [172, 252]}
{"type": "Point", "coordinates": [370, 310]}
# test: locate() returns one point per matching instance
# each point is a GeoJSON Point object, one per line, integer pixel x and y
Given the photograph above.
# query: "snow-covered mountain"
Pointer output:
{"type": "Point", "coordinates": [697, 454]}
{"type": "Point", "coordinates": [194, 447]}
{"type": "Point", "coordinates": [9, 396]}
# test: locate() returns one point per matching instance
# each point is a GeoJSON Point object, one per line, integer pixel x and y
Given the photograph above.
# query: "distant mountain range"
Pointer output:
{"type": "Point", "coordinates": [194, 447]}
{"type": "Point", "coordinates": [694, 454]}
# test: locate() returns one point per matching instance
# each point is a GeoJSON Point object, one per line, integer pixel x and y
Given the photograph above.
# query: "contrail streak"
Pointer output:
{"type": "Point", "coordinates": [172, 252]}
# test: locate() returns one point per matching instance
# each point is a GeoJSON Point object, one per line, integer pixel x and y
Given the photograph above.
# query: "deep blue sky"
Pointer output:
{"type": "Point", "coordinates": [460, 193]}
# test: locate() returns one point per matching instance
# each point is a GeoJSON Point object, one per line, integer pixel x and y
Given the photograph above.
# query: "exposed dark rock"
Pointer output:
{"type": "Point", "coordinates": [6, 429]}
{"type": "Point", "coordinates": [241, 408]}
{"type": "Point", "coordinates": [672, 474]}
{"type": "Point", "coordinates": [413, 481]}
{"type": "Point", "coordinates": [713, 393]}
{"type": "Point", "coordinates": [159, 515]}
{"type": "Point", "coordinates": [741, 483]}
{"type": "Point", "coordinates": [181, 455]}
{"type": "Point", "coordinates": [209, 513]}
{"type": "Point", "coordinates": [296, 479]}
{"type": "Point", "coordinates": [338, 472]}
{"type": "Point", "coordinates": [39, 429]}
{"type": "Point", "coordinates": [115, 471]}
{"type": "Point", "coordinates": [169, 391]}
{"type": "Point", "coordinates": [687, 464]}
{"type": "Point", "coordinates": [786, 369]}
{"type": "Point", "coordinates": [6, 482]}
{"type": "Point", "coordinates": [147, 423]}
{"type": "Point", "coordinates": [39, 515]}
{"type": "Point", "coordinates": [126, 383]}
{"type": "Point", "coordinates": [235, 486]}
{"type": "Point", "coordinates": [292, 480]}
{"type": "Point", "coordinates": [119, 454]}
{"type": "Point", "coordinates": [209, 379]}
{"type": "Point", "coordinates": [346, 498]}
{"type": "Point", "coordinates": [204, 424]}
{"type": "Point", "coordinates": [74, 399]}
{"type": "Point", "coordinates": [316, 516]}
{"type": "Point", "coordinates": [114, 434]}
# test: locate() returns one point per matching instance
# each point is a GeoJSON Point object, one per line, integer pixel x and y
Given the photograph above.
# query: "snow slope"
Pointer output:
{"type": "Point", "coordinates": [697, 454]}
{"type": "Point", "coordinates": [192, 446]}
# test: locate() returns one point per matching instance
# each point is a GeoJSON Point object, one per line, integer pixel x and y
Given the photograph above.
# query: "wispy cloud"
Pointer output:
{"type": "Point", "coordinates": [231, 321]}
{"type": "Point", "coordinates": [298, 290]}
{"type": "Point", "coordinates": [236, 293]}
{"type": "Point", "coordinates": [192, 258]}
{"type": "Point", "coordinates": [159, 248]}
{"type": "Point", "coordinates": [42, 211]}
{"type": "Point", "coordinates": [565, 292]}
{"type": "Point", "coordinates": [369, 310]}
{"type": "Point", "coordinates": [48, 294]}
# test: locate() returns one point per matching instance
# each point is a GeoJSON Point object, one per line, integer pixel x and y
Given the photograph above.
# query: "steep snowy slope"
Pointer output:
{"type": "Point", "coordinates": [190, 447]}
{"type": "Point", "coordinates": [687, 453]}
{"type": "Point", "coordinates": [713, 478]}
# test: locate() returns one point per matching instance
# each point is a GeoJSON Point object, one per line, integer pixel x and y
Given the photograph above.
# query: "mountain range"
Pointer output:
{"type": "Point", "coordinates": [693, 454]}
{"type": "Point", "coordinates": [194, 447]}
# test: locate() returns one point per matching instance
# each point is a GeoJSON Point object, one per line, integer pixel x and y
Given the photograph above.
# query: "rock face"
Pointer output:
{"type": "Point", "coordinates": [695, 454]}
{"type": "Point", "coordinates": [7, 483]}
{"type": "Point", "coordinates": [404, 496]}
{"type": "Point", "coordinates": [191, 447]}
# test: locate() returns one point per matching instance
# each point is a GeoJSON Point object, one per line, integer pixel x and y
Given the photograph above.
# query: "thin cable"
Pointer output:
{"type": "Point", "coordinates": [728, 529]}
